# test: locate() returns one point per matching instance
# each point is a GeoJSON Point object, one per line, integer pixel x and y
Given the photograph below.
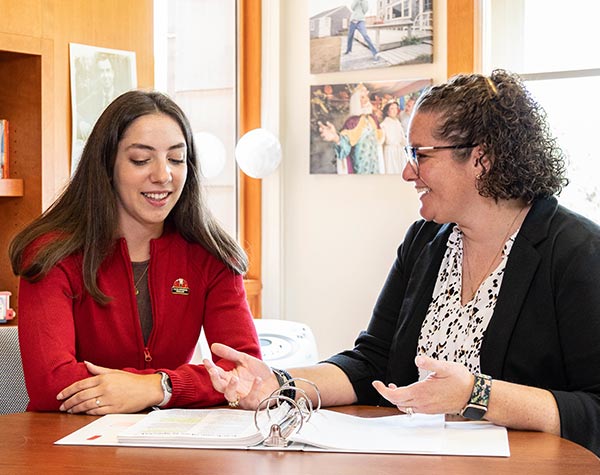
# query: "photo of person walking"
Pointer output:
{"type": "Point", "coordinates": [389, 34]}
{"type": "Point", "coordinates": [357, 22]}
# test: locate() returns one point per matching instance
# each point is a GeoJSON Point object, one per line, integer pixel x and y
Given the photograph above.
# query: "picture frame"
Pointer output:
{"type": "Point", "coordinates": [98, 76]}
{"type": "Point", "coordinates": [352, 126]}
{"type": "Point", "coordinates": [364, 34]}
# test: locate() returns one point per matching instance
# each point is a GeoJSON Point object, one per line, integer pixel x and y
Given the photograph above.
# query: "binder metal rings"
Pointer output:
{"type": "Point", "coordinates": [299, 412]}
{"type": "Point", "coordinates": [304, 399]}
{"type": "Point", "coordinates": [281, 431]}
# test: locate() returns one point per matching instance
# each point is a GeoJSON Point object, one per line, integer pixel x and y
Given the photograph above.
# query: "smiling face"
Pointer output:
{"type": "Point", "coordinates": [149, 174]}
{"type": "Point", "coordinates": [445, 186]}
{"type": "Point", "coordinates": [393, 110]}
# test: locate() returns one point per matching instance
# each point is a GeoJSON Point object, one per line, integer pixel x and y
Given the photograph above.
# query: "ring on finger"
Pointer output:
{"type": "Point", "coordinates": [98, 402]}
{"type": "Point", "coordinates": [409, 410]}
{"type": "Point", "coordinates": [235, 404]}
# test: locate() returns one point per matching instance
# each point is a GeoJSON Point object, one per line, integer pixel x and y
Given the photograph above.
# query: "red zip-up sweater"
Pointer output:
{"type": "Point", "coordinates": [60, 325]}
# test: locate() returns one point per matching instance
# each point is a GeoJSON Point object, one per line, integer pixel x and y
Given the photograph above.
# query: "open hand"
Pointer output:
{"type": "Point", "coordinates": [248, 383]}
{"type": "Point", "coordinates": [328, 132]}
{"type": "Point", "coordinates": [446, 389]}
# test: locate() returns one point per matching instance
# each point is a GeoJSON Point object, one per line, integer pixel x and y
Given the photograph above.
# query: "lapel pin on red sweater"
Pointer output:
{"type": "Point", "coordinates": [180, 287]}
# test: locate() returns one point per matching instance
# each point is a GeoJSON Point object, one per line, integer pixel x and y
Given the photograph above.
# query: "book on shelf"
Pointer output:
{"type": "Point", "coordinates": [4, 173]}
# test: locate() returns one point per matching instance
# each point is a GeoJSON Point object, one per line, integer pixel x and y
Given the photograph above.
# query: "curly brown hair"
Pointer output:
{"type": "Point", "coordinates": [499, 114]}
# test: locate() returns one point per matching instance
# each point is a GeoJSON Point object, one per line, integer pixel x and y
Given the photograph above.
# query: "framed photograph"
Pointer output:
{"type": "Point", "coordinates": [98, 75]}
{"type": "Point", "coordinates": [361, 128]}
{"type": "Point", "coordinates": [363, 34]}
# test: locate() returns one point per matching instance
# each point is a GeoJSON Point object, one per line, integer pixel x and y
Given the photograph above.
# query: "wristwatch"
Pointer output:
{"type": "Point", "coordinates": [167, 388]}
{"type": "Point", "coordinates": [480, 397]}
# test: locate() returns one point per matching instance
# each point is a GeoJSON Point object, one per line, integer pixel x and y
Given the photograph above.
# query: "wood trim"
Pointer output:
{"type": "Point", "coordinates": [250, 44]}
{"type": "Point", "coordinates": [461, 37]}
{"type": "Point", "coordinates": [11, 187]}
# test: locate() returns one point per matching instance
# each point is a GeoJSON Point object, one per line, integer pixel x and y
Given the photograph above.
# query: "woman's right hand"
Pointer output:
{"type": "Point", "coordinates": [328, 132]}
{"type": "Point", "coordinates": [249, 382]}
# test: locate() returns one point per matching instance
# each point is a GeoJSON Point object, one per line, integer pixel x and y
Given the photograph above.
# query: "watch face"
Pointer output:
{"type": "Point", "coordinates": [474, 412]}
{"type": "Point", "coordinates": [166, 382]}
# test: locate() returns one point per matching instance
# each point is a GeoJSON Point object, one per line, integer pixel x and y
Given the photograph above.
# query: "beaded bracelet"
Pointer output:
{"type": "Point", "coordinates": [285, 378]}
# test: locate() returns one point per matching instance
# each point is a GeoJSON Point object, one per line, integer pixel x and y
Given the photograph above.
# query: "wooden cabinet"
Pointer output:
{"type": "Point", "coordinates": [20, 103]}
{"type": "Point", "coordinates": [35, 97]}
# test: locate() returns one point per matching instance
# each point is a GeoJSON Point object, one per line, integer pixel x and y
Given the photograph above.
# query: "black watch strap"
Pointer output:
{"type": "Point", "coordinates": [284, 378]}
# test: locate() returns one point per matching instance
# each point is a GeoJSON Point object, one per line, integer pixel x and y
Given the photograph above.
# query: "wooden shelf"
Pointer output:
{"type": "Point", "coordinates": [11, 187]}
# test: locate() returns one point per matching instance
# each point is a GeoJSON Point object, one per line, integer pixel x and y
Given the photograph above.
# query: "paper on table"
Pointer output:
{"type": "Point", "coordinates": [419, 433]}
{"type": "Point", "coordinates": [329, 431]}
{"type": "Point", "coordinates": [102, 431]}
{"type": "Point", "coordinates": [202, 427]}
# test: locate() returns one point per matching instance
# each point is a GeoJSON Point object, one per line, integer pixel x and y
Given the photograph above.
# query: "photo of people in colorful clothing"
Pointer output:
{"type": "Point", "coordinates": [361, 128]}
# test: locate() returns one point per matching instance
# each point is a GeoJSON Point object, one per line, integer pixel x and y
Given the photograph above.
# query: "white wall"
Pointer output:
{"type": "Point", "coordinates": [338, 235]}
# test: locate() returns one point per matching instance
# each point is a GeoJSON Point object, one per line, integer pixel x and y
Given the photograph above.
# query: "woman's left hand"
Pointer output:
{"type": "Point", "coordinates": [446, 390]}
{"type": "Point", "coordinates": [111, 391]}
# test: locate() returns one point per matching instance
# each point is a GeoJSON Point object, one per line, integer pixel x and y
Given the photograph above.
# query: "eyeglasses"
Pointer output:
{"type": "Point", "coordinates": [412, 153]}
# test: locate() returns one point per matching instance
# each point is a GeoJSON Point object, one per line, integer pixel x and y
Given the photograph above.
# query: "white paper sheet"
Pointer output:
{"type": "Point", "coordinates": [330, 431]}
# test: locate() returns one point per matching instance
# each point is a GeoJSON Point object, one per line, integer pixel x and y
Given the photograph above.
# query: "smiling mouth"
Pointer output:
{"type": "Point", "coordinates": [157, 196]}
{"type": "Point", "coordinates": [423, 191]}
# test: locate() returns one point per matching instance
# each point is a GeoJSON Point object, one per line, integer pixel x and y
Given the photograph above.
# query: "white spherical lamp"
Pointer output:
{"type": "Point", "coordinates": [211, 154]}
{"type": "Point", "coordinates": [258, 153]}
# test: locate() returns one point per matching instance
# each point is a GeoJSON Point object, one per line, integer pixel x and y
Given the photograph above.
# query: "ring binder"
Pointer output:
{"type": "Point", "coordinates": [298, 412]}
{"type": "Point", "coordinates": [306, 399]}
{"type": "Point", "coordinates": [281, 423]}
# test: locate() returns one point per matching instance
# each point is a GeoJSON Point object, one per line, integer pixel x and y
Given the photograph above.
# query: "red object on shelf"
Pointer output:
{"type": "Point", "coordinates": [4, 172]}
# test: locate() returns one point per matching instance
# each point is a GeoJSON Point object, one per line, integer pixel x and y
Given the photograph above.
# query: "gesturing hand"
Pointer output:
{"type": "Point", "coordinates": [111, 391]}
{"type": "Point", "coordinates": [248, 383]}
{"type": "Point", "coordinates": [328, 132]}
{"type": "Point", "coordinates": [446, 389]}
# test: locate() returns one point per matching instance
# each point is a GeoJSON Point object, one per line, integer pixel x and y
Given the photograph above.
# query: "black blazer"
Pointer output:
{"type": "Point", "coordinates": [545, 329]}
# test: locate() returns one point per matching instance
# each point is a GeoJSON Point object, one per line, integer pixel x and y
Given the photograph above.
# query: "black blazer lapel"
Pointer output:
{"type": "Point", "coordinates": [426, 255]}
{"type": "Point", "coordinates": [520, 270]}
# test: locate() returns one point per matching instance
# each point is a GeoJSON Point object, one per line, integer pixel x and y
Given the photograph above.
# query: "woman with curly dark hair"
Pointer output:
{"type": "Point", "coordinates": [491, 309]}
{"type": "Point", "coordinates": [121, 273]}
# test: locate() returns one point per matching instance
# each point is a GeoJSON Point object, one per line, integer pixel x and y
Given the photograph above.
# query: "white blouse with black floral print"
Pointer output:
{"type": "Point", "coordinates": [451, 331]}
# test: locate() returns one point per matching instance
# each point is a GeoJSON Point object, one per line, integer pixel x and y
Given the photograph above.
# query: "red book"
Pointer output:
{"type": "Point", "coordinates": [3, 148]}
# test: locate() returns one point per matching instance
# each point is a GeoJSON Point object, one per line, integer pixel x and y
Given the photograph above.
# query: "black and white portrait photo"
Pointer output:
{"type": "Point", "coordinates": [98, 75]}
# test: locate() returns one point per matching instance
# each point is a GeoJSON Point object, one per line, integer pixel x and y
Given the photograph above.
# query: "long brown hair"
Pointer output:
{"type": "Point", "coordinates": [84, 218]}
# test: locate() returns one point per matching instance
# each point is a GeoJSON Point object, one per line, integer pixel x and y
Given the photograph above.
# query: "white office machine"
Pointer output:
{"type": "Point", "coordinates": [283, 344]}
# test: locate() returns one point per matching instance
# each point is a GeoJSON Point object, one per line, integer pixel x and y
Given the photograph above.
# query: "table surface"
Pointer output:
{"type": "Point", "coordinates": [26, 446]}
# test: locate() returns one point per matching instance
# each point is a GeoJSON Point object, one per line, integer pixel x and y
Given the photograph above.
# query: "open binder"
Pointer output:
{"type": "Point", "coordinates": [280, 423]}
{"type": "Point", "coordinates": [276, 420]}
